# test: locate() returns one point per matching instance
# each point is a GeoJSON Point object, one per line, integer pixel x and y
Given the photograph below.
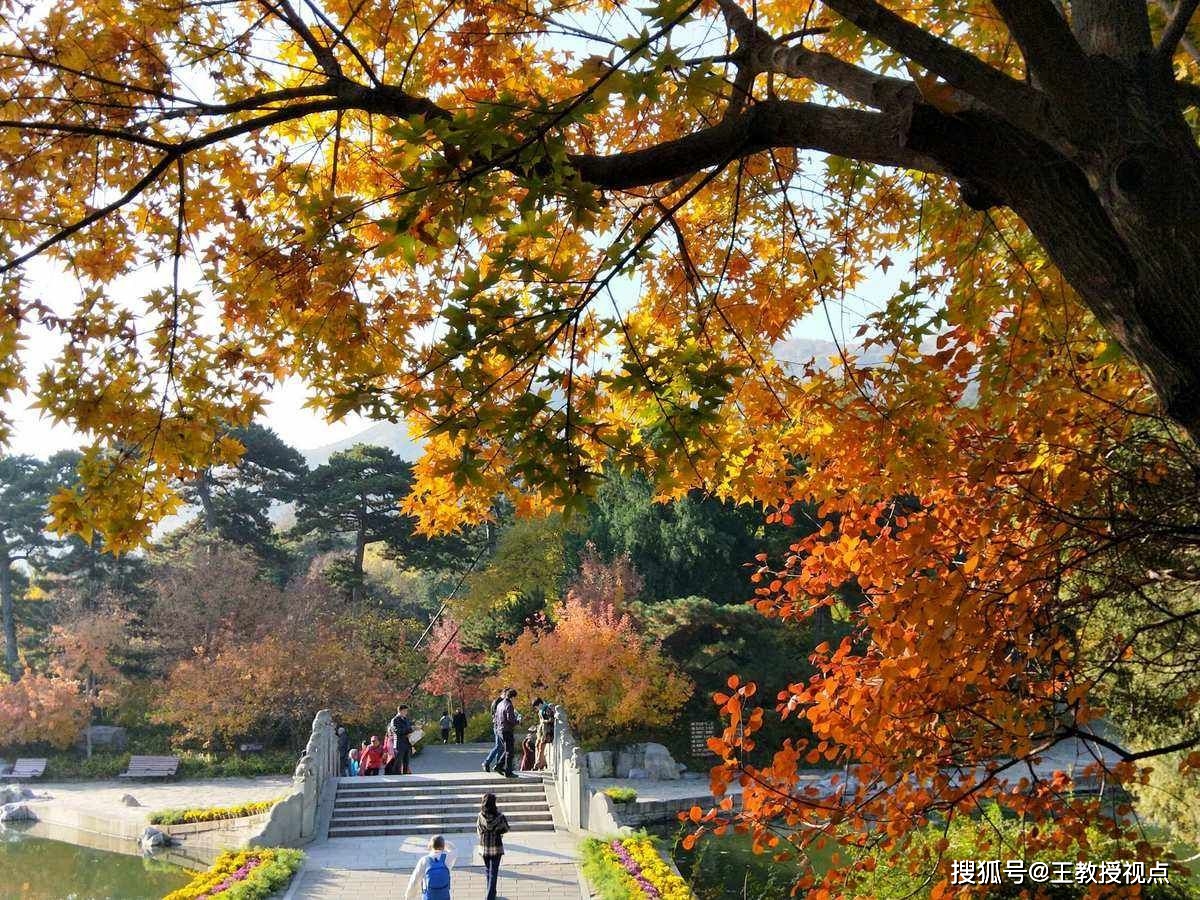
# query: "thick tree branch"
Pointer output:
{"type": "Point", "coordinates": [760, 53]}
{"type": "Point", "coordinates": [1017, 103]}
{"type": "Point", "coordinates": [855, 134]}
{"type": "Point", "coordinates": [1185, 42]}
{"type": "Point", "coordinates": [1054, 57]}
{"type": "Point", "coordinates": [1176, 28]}
{"type": "Point", "coordinates": [1116, 28]}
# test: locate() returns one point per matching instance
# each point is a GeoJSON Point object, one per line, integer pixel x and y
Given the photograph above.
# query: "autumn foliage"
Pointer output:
{"type": "Point", "coordinates": [593, 662]}
{"type": "Point", "coordinates": [271, 684]}
{"type": "Point", "coordinates": [40, 708]}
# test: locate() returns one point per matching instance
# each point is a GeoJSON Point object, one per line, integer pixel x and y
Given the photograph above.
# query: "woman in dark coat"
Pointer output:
{"type": "Point", "coordinates": [491, 827]}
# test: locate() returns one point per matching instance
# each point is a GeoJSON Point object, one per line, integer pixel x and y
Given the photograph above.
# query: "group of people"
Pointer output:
{"type": "Point", "coordinates": [431, 876]}
{"type": "Point", "coordinates": [390, 756]}
{"type": "Point", "coordinates": [458, 722]}
{"type": "Point", "coordinates": [505, 720]}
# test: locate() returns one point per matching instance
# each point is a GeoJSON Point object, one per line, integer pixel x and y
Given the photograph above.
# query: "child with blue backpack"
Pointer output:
{"type": "Point", "coordinates": [432, 873]}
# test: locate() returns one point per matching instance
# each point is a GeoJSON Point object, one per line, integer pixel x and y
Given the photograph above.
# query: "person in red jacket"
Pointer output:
{"type": "Point", "coordinates": [371, 760]}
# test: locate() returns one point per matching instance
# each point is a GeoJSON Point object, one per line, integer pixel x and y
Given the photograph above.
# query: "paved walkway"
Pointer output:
{"type": "Point", "coordinates": [537, 865]}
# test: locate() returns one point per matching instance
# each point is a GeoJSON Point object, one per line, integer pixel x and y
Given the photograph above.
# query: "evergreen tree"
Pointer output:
{"type": "Point", "coordinates": [358, 493]}
{"type": "Point", "coordinates": [236, 501]}
{"type": "Point", "coordinates": [26, 485]}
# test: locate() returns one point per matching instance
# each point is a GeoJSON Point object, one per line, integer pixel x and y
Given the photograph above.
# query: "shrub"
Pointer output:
{"type": "Point", "coordinates": [211, 813]}
{"type": "Point", "coordinates": [243, 875]}
{"type": "Point", "coordinates": [621, 794]}
{"type": "Point", "coordinates": [479, 728]}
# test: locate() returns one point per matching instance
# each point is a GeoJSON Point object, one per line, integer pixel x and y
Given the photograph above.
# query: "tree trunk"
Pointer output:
{"type": "Point", "coordinates": [11, 658]}
{"type": "Point", "coordinates": [204, 493]}
{"type": "Point", "coordinates": [360, 552]}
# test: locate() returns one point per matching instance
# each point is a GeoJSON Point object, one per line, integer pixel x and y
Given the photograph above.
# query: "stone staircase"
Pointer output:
{"type": "Point", "coordinates": [449, 804]}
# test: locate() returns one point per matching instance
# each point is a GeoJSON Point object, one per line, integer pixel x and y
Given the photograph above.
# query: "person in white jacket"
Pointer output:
{"type": "Point", "coordinates": [437, 846]}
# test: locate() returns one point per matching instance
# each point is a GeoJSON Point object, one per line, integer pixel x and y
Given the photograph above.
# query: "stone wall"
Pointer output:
{"type": "Point", "coordinates": [293, 820]}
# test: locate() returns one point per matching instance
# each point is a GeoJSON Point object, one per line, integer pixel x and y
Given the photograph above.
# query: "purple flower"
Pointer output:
{"type": "Point", "coordinates": [240, 875]}
{"type": "Point", "coordinates": [635, 870]}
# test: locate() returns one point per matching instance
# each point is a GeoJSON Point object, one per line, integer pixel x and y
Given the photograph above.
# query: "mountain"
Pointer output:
{"type": "Point", "coordinates": [392, 435]}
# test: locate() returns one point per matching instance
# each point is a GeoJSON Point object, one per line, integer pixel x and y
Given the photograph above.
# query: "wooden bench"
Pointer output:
{"type": "Point", "coordinates": [151, 767]}
{"type": "Point", "coordinates": [27, 768]}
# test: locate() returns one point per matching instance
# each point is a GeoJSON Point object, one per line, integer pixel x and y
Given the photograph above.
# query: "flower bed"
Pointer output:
{"type": "Point", "coordinates": [243, 875]}
{"type": "Point", "coordinates": [211, 813]}
{"type": "Point", "coordinates": [631, 869]}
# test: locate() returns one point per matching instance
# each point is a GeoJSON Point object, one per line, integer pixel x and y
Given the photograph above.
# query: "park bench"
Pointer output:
{"type": "Point", "coordinates": [27, 768]}
{"type": "Point", "coordinates": [151, 767]}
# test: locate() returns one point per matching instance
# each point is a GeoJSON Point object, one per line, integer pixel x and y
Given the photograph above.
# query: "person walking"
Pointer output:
{"type": "Point", "coordinates": [460, 725]}
{"type": "Point", "coordinates": [404, 727]}
{"type": "Point", "coordinates": [432, 872]}
{"type": "Point", "coordinates": [498, 746]}
{"type": "Point", "coordinates": [343, 737]}
{"type": "Point", "coordinates": [445, 722]}
{"type": "Point", "coordinates": [506, 720]}
{"type": "Point", "coordinates": [491, 826]}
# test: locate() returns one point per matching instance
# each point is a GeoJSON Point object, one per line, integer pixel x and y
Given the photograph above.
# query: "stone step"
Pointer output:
{"type": "Point", "coordinates": [467, 799]}
{"type": "Point", "coordinates": [447, 829]}
{"type": "Point", "coordinates": [370, 782]}
{"type": "Point", "coordinates": [436, 818]}
{"type": "Point", "coordinates": [386, 806]}
{"type": "Point", "coordinates": [460, 791]}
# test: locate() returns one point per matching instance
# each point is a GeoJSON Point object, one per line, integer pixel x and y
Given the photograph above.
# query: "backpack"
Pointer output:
{"type": "Point", "coordinates": [437, 878]}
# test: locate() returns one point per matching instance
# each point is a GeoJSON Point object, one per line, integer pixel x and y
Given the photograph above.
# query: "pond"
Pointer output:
{"type": "Point", "coordinates": [724, 868]}
{"type": "Point", "coordinates": [35, 868]}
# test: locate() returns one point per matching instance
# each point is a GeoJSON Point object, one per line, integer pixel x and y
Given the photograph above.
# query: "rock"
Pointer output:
{"type": "Point", "coordinates": [130, 800]}
{"type": "Point", "coordinates": [630, 757]}
{"type": "Point", "coordinates": [659, 763]}
{"type": "Point", "coordinates": [16, 812]}
{"type": "Point", "coordinates": [635, 772]}
{"type": "Point", "coordinates": [654, 759]}
{"type": "Point", "coordinates": [106, 737]}
{"type": "Point", "coordinates": [14, 793]}
{"type": "Point", "coordinates": [600, 764]}
{"type": "Point", "coordinates": [152, 839]}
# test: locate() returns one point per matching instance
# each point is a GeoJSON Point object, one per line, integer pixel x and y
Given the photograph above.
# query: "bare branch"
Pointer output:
{"type": "Point", "coordinates": [1185, 42]}
{"type": "Point", "coordinates": [1020, 104]}
{"type": "Point", "coordinates": [1176, 28]}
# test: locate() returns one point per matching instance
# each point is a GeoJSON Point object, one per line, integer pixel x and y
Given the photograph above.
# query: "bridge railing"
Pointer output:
{"type": "Point", "coordinates": [568, 763]}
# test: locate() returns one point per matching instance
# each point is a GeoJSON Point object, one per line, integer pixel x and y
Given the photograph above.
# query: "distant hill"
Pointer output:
{"type": "Point", "coordinates": [392, 435]}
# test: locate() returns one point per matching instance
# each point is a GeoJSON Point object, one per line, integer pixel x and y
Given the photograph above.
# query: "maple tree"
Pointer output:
{"type": "Point", "coordinates": [558, 237]}
{"type": "Point", "coordinates": [41, 708]}
{"type": "Point", "coordinates": [591, 660]}
{"type": "Point", "coordinates": [273, 682]}
{"type": "Point", "coordinates": [454, 671]}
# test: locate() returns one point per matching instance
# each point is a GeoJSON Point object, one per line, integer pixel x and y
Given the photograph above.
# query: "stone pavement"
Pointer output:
{"type": "Point", "coordinates": [536, 866]}
{"type": "Point", "coordinates": [541, 881]}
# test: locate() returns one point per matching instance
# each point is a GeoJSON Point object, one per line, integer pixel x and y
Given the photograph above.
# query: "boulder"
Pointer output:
{"type": "Point", "coordinates": [152, 839]}
{"type": "Point", "coordinates": [630, 757]}
{"type": "Point", "coordinates": [600, 764]}
{"type": "Point", "coordinates": [636, 772]}
{"type": "Point", "coordinates": [129, 800]}
{"type": "Point", "coordinates": [659, 764]}
{"type": "Point", "coordinates": [653, 759]}
{"type": "Point", "coordinates": [104, 737]}
{"type": "Point", "coordinates": [16, 812]}
{"type": "Point", "coordinates": [14, 793]}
